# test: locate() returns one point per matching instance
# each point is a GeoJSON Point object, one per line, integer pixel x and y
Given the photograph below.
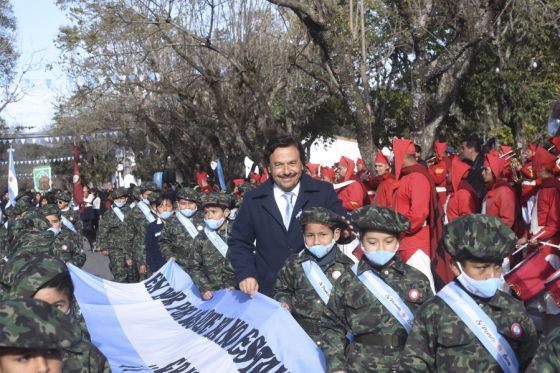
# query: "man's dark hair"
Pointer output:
{"type": "Point", "coordinates": [283, 142]}
{"type": "Point", "coordinates": [473, 142]}
{"type": "Point", "coordinates": [61, 282]}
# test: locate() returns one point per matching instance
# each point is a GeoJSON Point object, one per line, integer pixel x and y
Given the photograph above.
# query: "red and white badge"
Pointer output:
{"type": "Point", "coordinates": [516, 329]}
{"type": "Point", "coordinates": [64, 248]}
{"type": "Point", "coordinates": [413, 295]}
{"type": "Point", "coordinates": [335, 275]}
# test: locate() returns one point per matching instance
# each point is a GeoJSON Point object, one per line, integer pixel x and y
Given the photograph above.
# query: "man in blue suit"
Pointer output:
{"type": "Point", "coordinates": [267, 229]}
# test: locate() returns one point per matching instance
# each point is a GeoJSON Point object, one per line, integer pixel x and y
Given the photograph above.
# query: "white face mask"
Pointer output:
{"type": "Point", "coordinates": [319, 251]}
{"type": "Point", "coordinates": [482, 288]}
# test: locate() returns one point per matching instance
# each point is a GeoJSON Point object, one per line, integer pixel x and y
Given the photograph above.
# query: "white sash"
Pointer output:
{"type": "Point", "coordinates": [146, 211]}
{"type": "Point", "coordinates": [119, 213]}
{"type": "Point", "coordinates": [388, 297]}
{"type": "Point", "coordinates": [217, 241]}
{"type": "Point", "coordinates": [445, 219]}
{"type": "Point", "coordinates": [318, 279]}
{"type": "Point", "coordinates": [343, 184]}
{"type": "Point", "coordinates": [67, 223]}
{"type": "Point", "coordinates": [132, 205]}
{"type": "Point", "coordinates": [481, 325]}
{"type": "Point", "coordinates": [187, 223]}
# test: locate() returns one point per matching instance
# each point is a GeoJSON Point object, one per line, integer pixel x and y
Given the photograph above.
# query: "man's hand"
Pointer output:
{"type": "Point", "coordinates": [249, 286]}
{"type": "Point", "coordinates": [142, 269]}
{"type": "Point", "coordinates": [129, 262]}
{"type": "Point", "coordinates": [286, 306]}
{"type": "Point", "coordinates": [207, 295]}
{"type": "Point", "coordinates": [105, 252]}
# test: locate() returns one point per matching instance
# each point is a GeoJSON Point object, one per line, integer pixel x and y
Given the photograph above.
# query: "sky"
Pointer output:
{"type": "Point", "coordinates": [38, 22]}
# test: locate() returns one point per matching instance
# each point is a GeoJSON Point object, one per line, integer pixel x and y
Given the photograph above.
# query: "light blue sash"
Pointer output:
{"type": "Point", "coordinates": [187, 223]}
{"type": "Point", "coordinates": [318, 279]}
{"type": "Point", "coordinates": [481, 325]}
{"type": "Point", "coordinates": [217, 241]}
{"type": "Point", "coordinates": [146, 211]}
{"type": "Point", "coordinates": [132, 205]}
{"type": "Point", "coordinates": [119, 213]}
{"type": "Point", "coordinates": [388, 297]}
{"type": "Point", "coordinates": [67, 223]}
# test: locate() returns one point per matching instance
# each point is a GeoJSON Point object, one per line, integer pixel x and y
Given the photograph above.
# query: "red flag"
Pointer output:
{"type": "Point", "coordinates": [78, 191]}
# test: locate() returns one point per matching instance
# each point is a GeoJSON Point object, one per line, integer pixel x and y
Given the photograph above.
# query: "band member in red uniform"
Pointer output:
{"type": "Point", "coordinates": [388, 184]}
{"type": "Point", "coordinates": [439, 170]}
{"type": "Point", "coordinates": [416, 199]}
{"type": "Point", "coordinates": [327, 174]}
{"type": "Point", "coordinates": [350, 191]}
{"type": "Point", "coordinates": [462, 196]}
{"type": "Point", "coordinates": [500, 200]}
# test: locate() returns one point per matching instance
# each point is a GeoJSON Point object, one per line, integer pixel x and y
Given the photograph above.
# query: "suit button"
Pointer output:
{"type": "Point", "coordinates": [386, 272]}
{"type": "Point", "coordinates": [318, 301]}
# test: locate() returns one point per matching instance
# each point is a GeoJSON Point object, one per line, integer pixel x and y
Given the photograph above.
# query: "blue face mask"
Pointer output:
{"type": "Point", "coordinates": [166, 214]}
{"type": "Point", "coordinates": [232, 214]}
{"type": "Point", "coordinates": [120, 204]}
{"type": "Point", "coordinates": [481, 288]}
{"type": "Point", "coordinates": [56, 231]}
{"type": "Point", "coordinates": [187, 212]}
{"type": "Point", "coordinates": [379, 258]}
{"type": "Point", "coordinates": [214, 224]}
{"type": "Point", "coordinates": [320, 251]}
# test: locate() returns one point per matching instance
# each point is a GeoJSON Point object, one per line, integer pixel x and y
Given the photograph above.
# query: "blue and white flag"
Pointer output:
{"type": "Point", "coordinates": [163, 325]}
{"type": "Point", "coordinates": [12, 179]}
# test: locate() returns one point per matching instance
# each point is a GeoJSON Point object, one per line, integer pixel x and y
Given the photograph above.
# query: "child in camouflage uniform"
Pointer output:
{"type": "Point", "coordinates": [33, 337]}
{"type": "Point", "coordinates": [300, 288]}
{"type": "Point", "coordinates": [207, 263]}
{"type": "Point", "coordinates": [471, 326]}
{"type": "Point", "coordinates": [375, 301]}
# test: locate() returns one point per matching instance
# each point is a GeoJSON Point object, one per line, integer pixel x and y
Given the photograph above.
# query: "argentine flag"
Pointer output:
{"type": "Point", "coordinates": [12, 179]}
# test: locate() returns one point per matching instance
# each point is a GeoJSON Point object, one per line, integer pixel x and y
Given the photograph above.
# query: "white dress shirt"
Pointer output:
{"type": "Point", "coordinates": [281, 201]}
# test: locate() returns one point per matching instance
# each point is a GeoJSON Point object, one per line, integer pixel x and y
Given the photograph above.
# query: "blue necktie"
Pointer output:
{"type": "Point", "coordinates": [288, 211]}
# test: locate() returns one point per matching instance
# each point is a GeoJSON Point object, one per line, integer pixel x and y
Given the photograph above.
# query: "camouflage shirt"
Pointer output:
{"type": "Point", "coordinates": [547, 358]}
{"type": "Point", "coordinates": [136, 224]}
{"type": "Point", "coordinates": [68, 246]}
{"type": "Point", "coordinates": [293, 288]}
{"type": "Point", "coordinates": [74, 217]}
{"type": "Point", "coordinates": [88, 360]}
{"type": "Point", "coordinates": [175, 241]}
{"type": "Point", "coordinates": [111, 234]}
{"type": "Point", "coordinates": [441, 342]}
{"type": "Point", "coordinates": [207, 267]}
{"type": "Point", "coordinates": [353, 308]}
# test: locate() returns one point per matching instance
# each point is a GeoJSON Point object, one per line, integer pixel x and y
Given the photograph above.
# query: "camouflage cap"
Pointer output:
{"type": "Point", "coordinates": [154, 197]}
{"type": "Point", "coordinates": [148, 186]}
{"type": "Point", "coordinates": [33, 324]}
{"type": "Point", "coordinates": [188, 194]}
{"type": "Point", "coordinates": [322, 215]}
{"type": "Point", "coordinates": [216, 199]}
{"type": "Point", "coordinates": [378, 218]}
{"type": "Point", "coordinates": [63, 195]}
{"type": "Point", "coordinates": [245, 187]}
{"type": "Point", "coordinates": [34, 274]}
{"type": "Point", "coordinates": [478, 236]}
{"type": "Point", "coordinates": [23, 204]}
{"type": "Point", "coordinates": [50, 209]}
{"type": "Point", "coordinates": [135, 193]}
{"type": "Point", "coordinates": [119, 192]}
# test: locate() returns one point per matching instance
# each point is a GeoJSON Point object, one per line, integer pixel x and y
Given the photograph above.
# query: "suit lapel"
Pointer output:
{"type": "Point", "coordinates": [269, 204]}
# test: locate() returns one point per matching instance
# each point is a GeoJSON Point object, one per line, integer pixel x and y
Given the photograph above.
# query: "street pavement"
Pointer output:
{"type": "Point", "coordinates": [96, 263]}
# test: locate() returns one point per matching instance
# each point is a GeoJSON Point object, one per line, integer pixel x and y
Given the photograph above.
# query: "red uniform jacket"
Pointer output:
{"type": "Point", "coordinates": [548, 209]}
{"type": "Point", "coordinates": [501, 202]}
{"type": "Point", "coordinates": [439, 174]}
{"type": "Point", "coordinates": [352, 196]}
{"type": "Point", "coordinates": [386, 190]}
{"type": "Point", "coordinates": [412, 200]}
{"type": "Point", "coordinates": [461, 202]}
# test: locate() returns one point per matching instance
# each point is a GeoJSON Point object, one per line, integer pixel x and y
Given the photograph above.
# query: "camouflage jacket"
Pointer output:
{"type": "Point", "coordinates": [3, 245]}
{"type": "Point", "coordinates": [547, 358]}
{"type": "Point", "coordinates": [68, 246]}
{"type": "Point", "coordinates": [111, 234]}
{"type": "Point", "coordinates": [207, 267]}
{"type": "Point", "coordinates": [441, 342]}
{"type": "Point", "coordinates": [293, 288]}
{"type": "Point", "coordinates": [175, 241]}
{"type": "Point", "coordinates": [88, 360]}
{"type": "Point", "coordinates": [353, 308]}
{"type": "Point", "coordinates": [136, 224]}
{"type": "Point", "coordinates": [74, 217]}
